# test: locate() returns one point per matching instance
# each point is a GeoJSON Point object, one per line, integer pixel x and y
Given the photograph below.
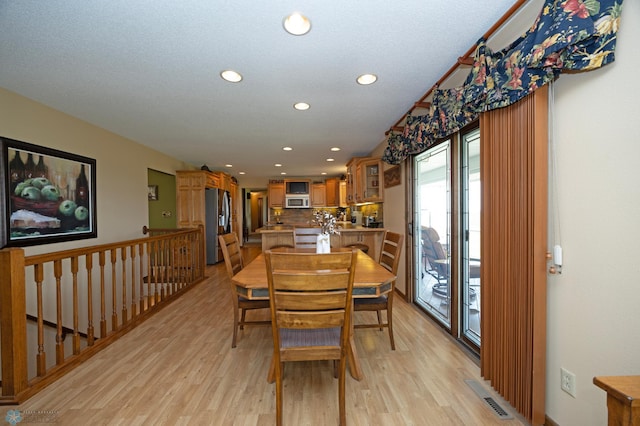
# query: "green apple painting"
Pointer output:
{"type": "Point", "coordinates": [51, 195]}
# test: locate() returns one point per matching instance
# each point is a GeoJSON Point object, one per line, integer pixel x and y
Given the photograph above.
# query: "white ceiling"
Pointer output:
{"type": "Point", "coordinates": [148, 70]}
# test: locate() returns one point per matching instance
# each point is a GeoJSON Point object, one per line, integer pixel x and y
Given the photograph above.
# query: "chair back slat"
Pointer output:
{"type": "Point", "coordinates": [317, 301]}
{"type": "Point", "coordinates": [306, 237]}
{"type": "Point", "coordinates": [306, 320]}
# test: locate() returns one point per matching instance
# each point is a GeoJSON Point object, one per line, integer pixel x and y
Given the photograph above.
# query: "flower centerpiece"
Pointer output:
{"type": "Point", "coordinates": [327, 223]}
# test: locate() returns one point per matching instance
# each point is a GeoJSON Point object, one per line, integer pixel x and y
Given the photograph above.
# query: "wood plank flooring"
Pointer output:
{"type": "Point", "coordinates": [178, 368]}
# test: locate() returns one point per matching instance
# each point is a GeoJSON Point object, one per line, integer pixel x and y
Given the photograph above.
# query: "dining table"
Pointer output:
{"type": "Point", "coordinates": [370, 280]}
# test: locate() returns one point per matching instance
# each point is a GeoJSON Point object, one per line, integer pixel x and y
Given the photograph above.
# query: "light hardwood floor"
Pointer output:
{"type": "Point", "coordinates": [178, 368]}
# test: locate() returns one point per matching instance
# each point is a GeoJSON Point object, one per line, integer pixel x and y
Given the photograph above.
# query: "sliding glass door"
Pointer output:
{"type": "Point", "coordinates": [470, 208]}
{"type": "Point", "coordinates": [432, 228]}
{"type": "Point", "coordinates": [447, 189]}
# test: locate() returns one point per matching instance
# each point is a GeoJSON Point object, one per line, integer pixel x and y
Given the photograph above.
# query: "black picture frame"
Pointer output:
{"type": "Point", "coordinates": [152, 192]}
{"type": "Point", "coordinates": [58, 203]}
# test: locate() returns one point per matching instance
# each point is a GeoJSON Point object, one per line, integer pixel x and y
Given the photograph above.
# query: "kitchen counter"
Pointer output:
{"type": "Point", "coordinates": [344, 226]}
{"type": "Point", "coordinates": [350, 233]}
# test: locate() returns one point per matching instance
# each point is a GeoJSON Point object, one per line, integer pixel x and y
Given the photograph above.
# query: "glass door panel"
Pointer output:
{"type": "Point", "coordinates": [432, 223]}
{"type": "Point", "coordinates": [471, 237]}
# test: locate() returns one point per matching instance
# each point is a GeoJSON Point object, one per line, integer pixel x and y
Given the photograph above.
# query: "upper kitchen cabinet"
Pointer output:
{"type": "Point", "coordinates": [190, 185]}
{"type": "Point", "coordinates": [333, 192]}
{"type": "Point", "coordinates": [363, 180]}
{"type": "Point", "coordinates": [318, 195]}
{"type": "Point", "coordinates": [276, 193]}
{"type": "Point", "coordinates": [371, 189]}
{"type": "Point", "coordinates": [336, 192]}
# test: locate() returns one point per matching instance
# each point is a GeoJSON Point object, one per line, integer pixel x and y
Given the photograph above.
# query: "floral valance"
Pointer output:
{"type": "Point", "coordinates": [570, 35]}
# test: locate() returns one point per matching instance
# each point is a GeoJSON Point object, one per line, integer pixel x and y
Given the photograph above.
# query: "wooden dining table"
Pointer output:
{"type": "Point", "coordinates": [370, 280]}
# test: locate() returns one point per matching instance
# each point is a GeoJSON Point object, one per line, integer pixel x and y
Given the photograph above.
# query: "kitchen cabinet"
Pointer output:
{"type": "Point", "coordinates": [190, 187]}
{"type": "Point", "coordinates": [353, 181]}
{"type": "Point", "coordinates": [318, 195]}
{"type": "Point", "coordinates": [276, 193]}
{"type": "Point", "coordinates": [190, 197]}
{"type": "Point", "coordinates": [342, 194]}
{"type": "Point", "coordinates": [370, 171]}
{"type": "Point", "coordinates": [333, 192]}
{"type": "Point", "coordinates": [235, 217]}
{"type": "Point", "coordinates": [363, 180]}
{"type": "Point", "coordinates": [370, 237]}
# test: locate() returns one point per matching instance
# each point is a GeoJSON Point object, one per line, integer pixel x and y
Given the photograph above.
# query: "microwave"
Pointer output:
{"type": "Point", "coordinates": [298, 201]}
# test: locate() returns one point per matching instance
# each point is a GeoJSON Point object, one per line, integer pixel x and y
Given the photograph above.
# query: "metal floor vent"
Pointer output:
{"type": "Point", "coordinates": [488, 399]}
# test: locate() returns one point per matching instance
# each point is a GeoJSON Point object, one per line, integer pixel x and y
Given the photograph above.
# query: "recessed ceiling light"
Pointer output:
{"type": "Point", "coordinates": [283, 173]}
{"type": "Point", "coordinates": [287, 148]}
{"type": "Point", "coordinates": [241, 173]}
{"type": "Point", "coordinates": [231, 76]}
{"type": "Point", "coordinates": [278, 165]}
{"type": "Point", "coordinates": [330, 159]}
{"type": "Point", "coordinates": [228, 165]}
{"type": "Point", "coordinates": [365, 79]}
{"type": "Point", "coordinates": [297, 24]}
{"type": "Point", "coordinates": [335, 148]}
{"type": "Point", "coordinates": [302, 106]}
{"type": "Point", "coordinates": [323, 173]}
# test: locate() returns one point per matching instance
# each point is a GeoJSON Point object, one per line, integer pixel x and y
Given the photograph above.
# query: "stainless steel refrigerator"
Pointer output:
{"type": "Point", "coordinates": [218, 221]}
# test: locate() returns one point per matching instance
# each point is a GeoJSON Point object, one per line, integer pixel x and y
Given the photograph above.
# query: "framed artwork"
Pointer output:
{"type": "Point", "coordinates": [392, 177]}
{"type": "Point", "coordinates": [48, 196]}
{"type": "Point", "coordinates": [153, 192]}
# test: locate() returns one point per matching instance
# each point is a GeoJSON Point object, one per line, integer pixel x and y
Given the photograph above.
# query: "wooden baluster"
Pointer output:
{"type": "Point", "coordinates": [76, 335]}
{"type": "Point", "coordinates": [174, 265]}
{"type": "Point", "coordinates": [103, 307]}
{"type": "Point", "coordinates": [41, 356]}
{"type": "Point", "coordinates": [165, 272]}
{"type": "Point", "coordinates": [57, 272]}
{"type": "Point", "coordinates": [150, 274]}
{"type": "Point", "coordinates": [141, 272]}
{"type": "Point", "coordinates": [123, 258]}
{"type": "Point", "coordinates": [133, 281]}
{"type": "Point", "coordinates": [153, 285]}
{"type": "Point", "coordinates": [89, 266]}
{"type": "Point", "coordinates": [114, 296]}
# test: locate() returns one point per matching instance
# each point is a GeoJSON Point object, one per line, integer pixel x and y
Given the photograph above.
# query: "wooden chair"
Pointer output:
{"type": "Point", "coordinates": [389, 258]}
{"type": "Point", "coordinates": [234, 262]}
{"type": "Point", "coordinates": [306, 237]}
{"type": "Point", "coordinates": [278, 240]}
{"type": "Point", "coordinates": [311, 302]}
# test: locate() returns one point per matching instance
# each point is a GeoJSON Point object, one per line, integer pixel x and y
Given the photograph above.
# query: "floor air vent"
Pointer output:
{"type": "Point", "coordinates": [488, 399]}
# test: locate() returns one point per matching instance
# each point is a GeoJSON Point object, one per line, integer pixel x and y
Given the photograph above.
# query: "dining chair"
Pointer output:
{"type": "Point", "coordinates": [311, 302]}
{"type": "Point", "coordinates": [306, 237]}
{"type": "Point", "coordinates": [389, 258]}
{"type": "Point", "coordinates": [234, 263]}
{"type": "Point", "coordinates": [280, 239]}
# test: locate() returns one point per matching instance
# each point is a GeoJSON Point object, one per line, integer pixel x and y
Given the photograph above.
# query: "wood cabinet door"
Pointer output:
{"type": "Point", "coordinates": [318, 195]}
{"type": "Point", "coordinates": [332, 193]}
{"type": "Point", "coordinates": [276, 194]}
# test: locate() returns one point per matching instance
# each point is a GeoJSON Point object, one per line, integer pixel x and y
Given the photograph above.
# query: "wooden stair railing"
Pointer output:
{"type": "Point", "coordinates": [112, 286]}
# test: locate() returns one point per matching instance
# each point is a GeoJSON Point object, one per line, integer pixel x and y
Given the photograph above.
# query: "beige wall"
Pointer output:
{"type": "Point", "coordinates": [121, 165]}
{"type": "Point", "coordinates": [593, 312]}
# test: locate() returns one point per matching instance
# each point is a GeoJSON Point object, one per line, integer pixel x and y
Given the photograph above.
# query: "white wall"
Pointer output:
{"type": "Point", "coordinates": [121, 165]}
{"type": "Point", "coordinates": [593, 307]}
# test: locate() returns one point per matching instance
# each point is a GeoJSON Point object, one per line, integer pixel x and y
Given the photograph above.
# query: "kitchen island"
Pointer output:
{"type": "Point", "coordinates": [282, 234]}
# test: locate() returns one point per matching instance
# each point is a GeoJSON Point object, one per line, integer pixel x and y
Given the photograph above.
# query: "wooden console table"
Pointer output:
{"type": "Point", "coordinates": [623, 399]}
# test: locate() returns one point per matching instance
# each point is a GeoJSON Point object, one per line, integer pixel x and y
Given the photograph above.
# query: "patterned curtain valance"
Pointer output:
{"type": "Point", "coordinates": [570, 35]}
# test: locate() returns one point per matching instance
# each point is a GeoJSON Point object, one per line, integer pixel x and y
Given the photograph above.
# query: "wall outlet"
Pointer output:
{"type": "Point", "coordinates": [568, 382]}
